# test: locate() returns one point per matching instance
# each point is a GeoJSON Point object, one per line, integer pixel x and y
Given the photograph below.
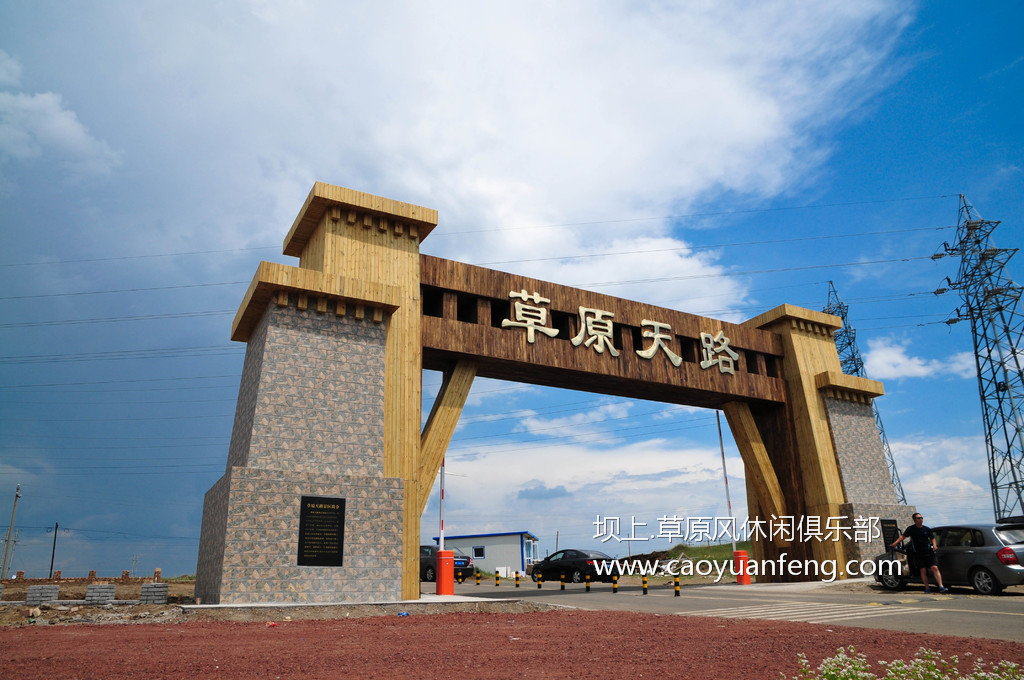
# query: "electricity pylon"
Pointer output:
{"type": "Point", "coordinates": [991, 301]}
{"type": "Point", "coordinates": [853, 364]}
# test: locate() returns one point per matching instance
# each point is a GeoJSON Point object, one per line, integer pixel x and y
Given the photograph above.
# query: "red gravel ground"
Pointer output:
{"type": "Point", "coordinates": [561, 644]}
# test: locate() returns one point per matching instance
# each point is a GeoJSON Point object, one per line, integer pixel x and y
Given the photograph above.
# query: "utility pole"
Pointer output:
{"type": "Point", "coordinates": [7, 543]}
{"type": "Point", "coordinates": [56, 526]}
{"type": "Point", "coordinates": [991, 302]}
{"type": "Point", "coordinates": [17, 533]}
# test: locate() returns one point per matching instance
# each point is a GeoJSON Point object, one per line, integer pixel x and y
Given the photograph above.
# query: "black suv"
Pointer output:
{"type": "Point", "coordinates": [428, 564]}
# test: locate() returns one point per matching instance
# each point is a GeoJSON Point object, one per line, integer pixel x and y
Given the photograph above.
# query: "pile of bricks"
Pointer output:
{"type": "Point", "coordinates": [100, 593]}
{"type": "Point", "coordinates": [37, 595]}
{"type": "Point", "coordinates": [154, 593]}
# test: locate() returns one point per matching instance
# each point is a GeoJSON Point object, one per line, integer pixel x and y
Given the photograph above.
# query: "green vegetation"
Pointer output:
{"type": "Point", "coordinates": [927, 664]}
{"type": "Point", "coordinates": [183, 578]}
{"type": "Point", "coordinates": [703, 551]}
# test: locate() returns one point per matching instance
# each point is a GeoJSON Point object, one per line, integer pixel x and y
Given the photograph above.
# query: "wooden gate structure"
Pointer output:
{"type": "Point", "coordinates": [329, 471]}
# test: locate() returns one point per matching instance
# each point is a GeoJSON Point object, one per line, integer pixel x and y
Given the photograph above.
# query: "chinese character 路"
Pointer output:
{"type": "Point", "coordinates": [709, 350]}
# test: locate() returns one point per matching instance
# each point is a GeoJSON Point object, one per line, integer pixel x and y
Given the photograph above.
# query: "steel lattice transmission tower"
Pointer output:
{"type": "Point", "coordinates": [991, 301]}
{"type": "Point", "coordinates": [853, 364]}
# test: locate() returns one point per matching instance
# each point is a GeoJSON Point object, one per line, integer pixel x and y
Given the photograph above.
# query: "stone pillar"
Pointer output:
{"type": "Point", "coordinates": [867, 484]}
{"type": "Point", "coordinates": [328, 412]}
{"type": "Point", "coordinates": [842, 471]}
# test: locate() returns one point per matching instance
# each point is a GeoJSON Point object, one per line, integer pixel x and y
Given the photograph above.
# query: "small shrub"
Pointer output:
{"type": "Point", "coordinates": [927, 664]}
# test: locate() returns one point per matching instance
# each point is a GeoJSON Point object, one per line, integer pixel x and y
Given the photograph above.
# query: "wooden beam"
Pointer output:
{"type": "Point", "coordinates": [760, 473]}
{"type": "Point", "coordinates": [437, 433]}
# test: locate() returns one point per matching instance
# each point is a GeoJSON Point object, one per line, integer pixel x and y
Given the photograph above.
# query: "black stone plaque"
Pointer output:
{"type": "Point", "coordinates": [321, 531]}
{"type": "Point", "coordinates": [890, 531]}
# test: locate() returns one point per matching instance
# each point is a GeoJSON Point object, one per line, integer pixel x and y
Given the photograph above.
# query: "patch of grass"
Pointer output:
{"type": "Point", "coordinates": [703, 551]}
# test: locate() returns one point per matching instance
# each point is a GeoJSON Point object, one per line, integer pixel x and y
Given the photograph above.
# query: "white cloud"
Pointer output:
{"type": "Point", "coordinates": [10, 70]}
{"type": "Point", "coordinates": [505, 115]}
{"type": "Point", "coordinates": [886, 359]}
{"type": "Point", "coordinates": [38, 124]}
{"type": "Point", "coordinates": [945, 477]}
{"type": "Point", "coordinates": [584, 425]}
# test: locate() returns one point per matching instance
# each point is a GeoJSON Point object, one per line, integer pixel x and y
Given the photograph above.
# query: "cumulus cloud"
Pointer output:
{"type": "Point", "coordinates": [537, 130]}
{"type": "Point", "coordinates": [581, 425]}
{"type": "Point", "coordinates": [32, 125]}
{"type": "Point", "coordinates": [945, 477]}
{"type": "Point", "coordinates": [539, 492]}
{"type": "Point", "coordinates": [10, 70]}
{"type": "Point", "coordinates": [887, 359]}
{"type": "Point", "coordinates": [646, 480]}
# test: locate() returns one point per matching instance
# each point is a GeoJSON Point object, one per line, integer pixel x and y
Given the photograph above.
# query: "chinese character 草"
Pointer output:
{"type": "Point", "coordinates": [530, 317]}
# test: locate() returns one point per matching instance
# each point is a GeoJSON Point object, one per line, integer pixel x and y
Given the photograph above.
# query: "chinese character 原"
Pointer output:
{"type": "Point", "coordinates": [596, 327]}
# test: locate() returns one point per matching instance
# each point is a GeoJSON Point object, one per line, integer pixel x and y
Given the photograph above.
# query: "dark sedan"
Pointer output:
{"type": "Point", "coordinates": [428, 564]}
{"type": "Point", "coordinates": [575, 565]}
{"type": "Point", "coordinates": [987, 557]}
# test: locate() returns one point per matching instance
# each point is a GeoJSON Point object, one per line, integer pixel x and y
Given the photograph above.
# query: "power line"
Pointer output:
{"type": "Point", "coordinates": [716, 245]}
{"type": "Point", "coordinates": [113, 319]}
{"type": "Point", "coordinates": [113, 420]}
{"type": "Point", "coordinates": [776, 270]}
{"type": "Point", "coordinates": [134, 257]}
{"type": "Point", "coordinates": [719, 213]}
{"type": "Point", "coordinates": [160, 353]}
{"type": "Point", "coordinates": [149, 317]}
{"type": "Point", "coordinates": [123, 290]}
{"type": "Point", "coordinates": [115, 382]}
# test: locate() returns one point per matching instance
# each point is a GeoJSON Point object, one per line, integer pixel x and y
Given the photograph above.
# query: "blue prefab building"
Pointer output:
{"type": "Point", "coordinates": [503, 553]}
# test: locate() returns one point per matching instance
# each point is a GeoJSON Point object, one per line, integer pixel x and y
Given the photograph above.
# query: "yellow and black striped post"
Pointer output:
{"type": "Point", "coordinates": [478, 577]}
{"type": "Point", "coordinates": [615, 583]}
{"type": "Point", "coordinates": [563, 582]}
{"type": "Point", "coordinates": [497, 579]}
{"type": "Point", "coordinates": [517, 579]}
{"type": "Point", "coordinates": [540, 581]}
{"type": "Point", "coordinates": [588, 583]}
{"type": "Point", "coordinates": [645, 584]}
{"type": "Point", "coordinates": [675, 580]}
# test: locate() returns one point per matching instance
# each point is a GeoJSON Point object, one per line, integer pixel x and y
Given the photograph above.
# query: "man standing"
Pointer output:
{"type": "Point", "coordinates": [922, 551]}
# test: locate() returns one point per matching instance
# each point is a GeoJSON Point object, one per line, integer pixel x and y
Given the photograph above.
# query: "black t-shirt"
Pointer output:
{"type": "Point", "coordinates": [920, 538]}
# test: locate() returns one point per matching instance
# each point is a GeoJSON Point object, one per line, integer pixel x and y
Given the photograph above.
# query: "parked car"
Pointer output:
{"type": "Point", "coordinates": [987, 557]}
{"type": "Point", "coordinates": [573, 564]}
{"type": "Point", "coordinates": [428, 564]}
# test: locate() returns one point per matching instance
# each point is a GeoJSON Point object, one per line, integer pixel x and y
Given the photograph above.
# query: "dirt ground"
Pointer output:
{"type": "Point", "coordinates": [468, 640]}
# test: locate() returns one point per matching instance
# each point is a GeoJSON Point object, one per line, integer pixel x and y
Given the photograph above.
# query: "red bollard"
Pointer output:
{"type": "Point", "coordinates": [445, 572]}
{"type": "Point", "coordinates": [740, 560]}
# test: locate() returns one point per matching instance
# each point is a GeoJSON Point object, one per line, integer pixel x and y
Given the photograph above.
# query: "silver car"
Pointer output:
{"type": "Point", "coordinates": [987, 557]}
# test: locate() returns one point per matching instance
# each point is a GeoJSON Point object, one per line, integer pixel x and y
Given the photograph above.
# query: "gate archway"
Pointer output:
{"type": "Point", "coordinates": [328, 470]}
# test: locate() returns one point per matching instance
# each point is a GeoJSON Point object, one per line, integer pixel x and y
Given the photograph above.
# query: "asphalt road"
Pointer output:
{"type": "Point", "coordinates": [849, 603]}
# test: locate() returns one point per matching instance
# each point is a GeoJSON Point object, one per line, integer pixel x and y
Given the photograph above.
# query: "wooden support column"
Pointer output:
{"type": "Point", "coordinates": [437, 433]}
{"type": "Point", "coordinates": [761, 477]}
{"type": "Point", "coordinates": [809, 349]}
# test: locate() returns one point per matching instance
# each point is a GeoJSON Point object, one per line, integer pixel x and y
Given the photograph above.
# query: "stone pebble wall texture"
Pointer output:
{"type": "Point", "coordinates": [309, 421]}
{"type": "Point", "coordinates": [864, 472]}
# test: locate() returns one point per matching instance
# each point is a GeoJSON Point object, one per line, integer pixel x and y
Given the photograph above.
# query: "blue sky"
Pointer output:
{"type": "Point", "coordinates": [719, 158]}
